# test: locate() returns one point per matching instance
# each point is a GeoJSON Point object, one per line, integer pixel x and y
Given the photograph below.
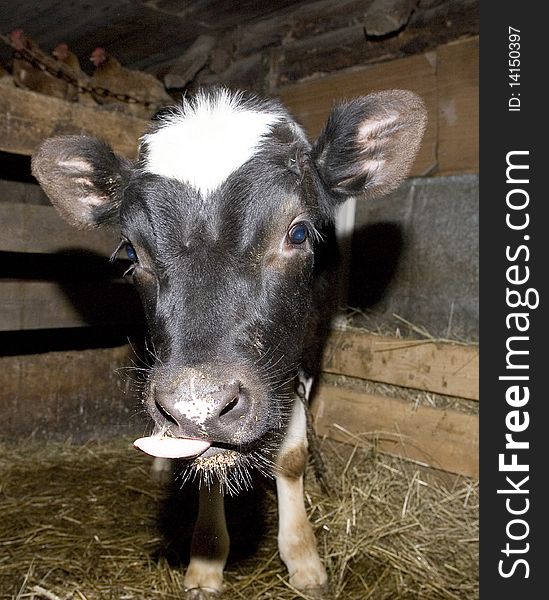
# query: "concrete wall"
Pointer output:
{"type": "Point", "coordinates": [415, 254]}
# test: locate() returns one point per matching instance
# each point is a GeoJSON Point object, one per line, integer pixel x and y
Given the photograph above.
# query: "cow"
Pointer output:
{"type": "Point", "coordinates": [227, 217]}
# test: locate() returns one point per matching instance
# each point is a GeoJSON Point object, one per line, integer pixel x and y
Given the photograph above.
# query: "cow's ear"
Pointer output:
{"type": "Point", "coordinates": [83, 178]}
{"type": "Point", "coordinates": [368, 144]}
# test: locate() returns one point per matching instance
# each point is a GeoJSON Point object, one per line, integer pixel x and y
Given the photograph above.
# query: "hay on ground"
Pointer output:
{"type": "Point", "coordinates": [87, 523]}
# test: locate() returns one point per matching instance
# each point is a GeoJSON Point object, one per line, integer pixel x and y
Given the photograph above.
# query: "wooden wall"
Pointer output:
{"type": "Point", "coordinates": [27, 117]}
{"type": "Point", "coordinates": [445, 77]}
{"type": "Point", "coordinates": [74, 395]}
{"type": "Point", "coordinates": [33, 237]}
{"type": "Point", "coordinates": [58, 290]}
{"type": "Point", "coordinates": [415, 398]}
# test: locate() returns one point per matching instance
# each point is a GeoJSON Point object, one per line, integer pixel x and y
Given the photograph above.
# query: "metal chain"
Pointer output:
{"type": "Point", "coordinates": [314, 447]}
{"type": "Point", "coordinates": [61, 71]}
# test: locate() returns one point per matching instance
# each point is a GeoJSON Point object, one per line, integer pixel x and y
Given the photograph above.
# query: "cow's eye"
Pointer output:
{"type": "Point", "coordinates": [130, 251]}
{"type": "Point", "coordinates": [298, 233]}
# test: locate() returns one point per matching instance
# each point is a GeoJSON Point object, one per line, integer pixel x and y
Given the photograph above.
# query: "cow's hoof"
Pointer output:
{"type": "Point", "coordinates": [201, 594]}
{"type": "Point", "coordinates": [312, 583]}
{"type": "Point", "coordinates": [321, 592]}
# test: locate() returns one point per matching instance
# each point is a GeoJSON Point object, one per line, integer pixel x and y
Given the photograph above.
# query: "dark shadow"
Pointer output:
{"type": "Point", "coordinates": [107, 304]}
{"type": "Point", "coordinates": [16, 167]}
{"type": "Point", "coordinates": [248, 518]}
{"type": "Point", "coordinates": [39, 341]}
{"type": "Point", "coordinates": [246, 514]}
{"type": "Point", "coordinates": [376, 253]}
{"type": "Point", "coordinates": [95, 287]}
{"type": "Point", "coordinates": [176, 516]}
{"type": "Point", "coordinates": [102, 303]}
{"type": "Point", "coordinates": [71, 264]}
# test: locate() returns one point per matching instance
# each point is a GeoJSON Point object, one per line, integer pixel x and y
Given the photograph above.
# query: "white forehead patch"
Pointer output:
{"type": "Point", "coordinates": [204, 140]}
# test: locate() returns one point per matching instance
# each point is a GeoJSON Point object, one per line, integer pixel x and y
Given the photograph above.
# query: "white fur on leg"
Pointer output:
{"type": "Point", "coordinates": [296, 539]}
{"type": "Point", "coordinates": [209, 547]}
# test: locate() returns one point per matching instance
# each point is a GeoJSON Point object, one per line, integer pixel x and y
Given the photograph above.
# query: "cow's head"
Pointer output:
{"type": "Point", "coordinates": [220, 217]}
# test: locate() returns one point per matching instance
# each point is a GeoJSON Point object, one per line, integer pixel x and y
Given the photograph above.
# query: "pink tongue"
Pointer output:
{"type": "Point", "coordinates": [168, 447]}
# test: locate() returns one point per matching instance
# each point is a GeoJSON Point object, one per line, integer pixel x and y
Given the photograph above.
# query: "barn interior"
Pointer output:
{"type": "Point", "coordinates": [396, 409]}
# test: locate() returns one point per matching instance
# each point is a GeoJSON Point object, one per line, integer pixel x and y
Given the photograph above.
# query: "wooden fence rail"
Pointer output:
{"type": "Point", "coordinates": [443, 438]}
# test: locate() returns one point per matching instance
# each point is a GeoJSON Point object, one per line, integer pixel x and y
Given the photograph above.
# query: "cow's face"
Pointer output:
{"type": "Point", "coordinates": [225, 276]}
{"type": "Point", "coordinates": [220, 217]}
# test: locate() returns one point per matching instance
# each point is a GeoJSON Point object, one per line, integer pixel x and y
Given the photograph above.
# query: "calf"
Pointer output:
{"type": "Point", "coordinates": [227, 218]}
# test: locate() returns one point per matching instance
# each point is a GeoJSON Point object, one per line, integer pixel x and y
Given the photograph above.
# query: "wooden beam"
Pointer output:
{"type": "Point", "coordinates": [76, 395]}
{"type": "Point", "coordinates": [444, 439]}
{"type": "Point", "coordinates": [49, 305]}
{"type": "Point", "coordinates": [458, 89]}
{"type": "Point", "coordinates": [27, 118]}
{"type": "Point", "coordinates": [440, 367]}
{"type": "Point", "coordinates": [387, 16]}
{"type": "Point", "coordinates": [32, 228]}
{"type": "Point", "coordinates": [183, 70]}
{"type": "Point", "coordinates": [324, 37]}
{"type": "Point", "coordinates": [22, 192]}
{"type": "Point", "coordinates": [312, 100]}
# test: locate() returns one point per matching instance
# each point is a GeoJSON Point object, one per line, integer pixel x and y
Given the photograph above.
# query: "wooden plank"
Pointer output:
{"type": "Point", "coordinates": [49, 305]}
{"type": "Point", "coordinates": [323, 37]}
{"type": "Point", "coordinates": [444, 439]}
{"type": "Point", "coordinates": [32, 228]}
{"type": "Point", "coordinates": [458, 88]}
{"type": "Point", "coordinates": [387, 16]}
{"type": "Point", "coordinates": [312, 100]}
{"type": "Point", "coordinates": [76, 395]}
{"type": "Point", "coordinates": [27, 118]}
{"type": "Point", "coordinates": [447, 80]}
{"type": "Point", "coordinates": [21, 192]}
{"type": "Point", "coordinates": [439, 367]}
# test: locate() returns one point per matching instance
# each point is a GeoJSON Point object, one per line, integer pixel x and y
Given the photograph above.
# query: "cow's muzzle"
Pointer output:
{"type": "Point", "coordinates": [196, 404]}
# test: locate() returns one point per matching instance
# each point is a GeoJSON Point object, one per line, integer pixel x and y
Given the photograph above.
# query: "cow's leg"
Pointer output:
{"type": "Point", "coordinates": [209, 547]}
{"type": "Point", "coordinates": [296, 539]}
{"type": "Point", "coordinates": [161, 470]}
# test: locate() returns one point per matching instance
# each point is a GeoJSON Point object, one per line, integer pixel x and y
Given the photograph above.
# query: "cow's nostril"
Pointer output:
{"type": "Point", "coordinates": [201, 406]}
{"type": "Point", "coordinates": [165, 413]}
{"type": "Point", "coordinates": [229, 406]}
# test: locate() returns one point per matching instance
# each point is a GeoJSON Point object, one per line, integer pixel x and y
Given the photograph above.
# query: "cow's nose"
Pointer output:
{"type": "Point", "coordinates": [227, 406]}
{"type": "Point", "coordinates": [231, 403]}
{"type": "Point", "coordinates": [200, 407]}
